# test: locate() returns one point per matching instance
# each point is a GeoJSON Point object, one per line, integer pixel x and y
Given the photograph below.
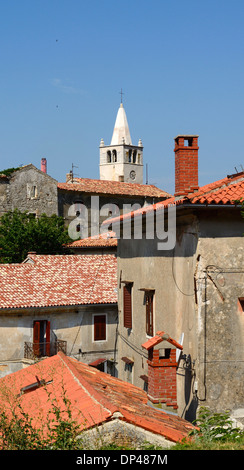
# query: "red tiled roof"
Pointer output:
{"type": "Point", "coordinates": [113, 187]}
{"type": "Point", "coordinates": [52, 280]}
{"type": "Point", "coordinates": [223, 192]}
{"type": "Point", "coordinates": [107, 239]}
{"type": "Point", "coordinates": [158, 338]}
{"type": "Point", "coordinates": [95, 396]}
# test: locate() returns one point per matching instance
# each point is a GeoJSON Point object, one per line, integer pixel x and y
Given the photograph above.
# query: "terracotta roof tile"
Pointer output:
{"type": "Point", "coordinates": [113, 187]}
{"type": "Point", "coordinates": [94, 397]}
{"type": "Point", "coordinates": [52, 280]}
{"type": "Point", "coordinates": [107, 239]}
{"type": "Point", "coordinates": [222, 192]}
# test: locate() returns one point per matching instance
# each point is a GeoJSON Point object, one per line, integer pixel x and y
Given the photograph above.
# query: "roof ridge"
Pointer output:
{"type": "Point", "coordinates": [95, 394]}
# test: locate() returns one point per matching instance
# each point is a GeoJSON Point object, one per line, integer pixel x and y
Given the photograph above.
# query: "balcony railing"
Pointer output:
{"type": "Point", "coordinates": [35, 350]}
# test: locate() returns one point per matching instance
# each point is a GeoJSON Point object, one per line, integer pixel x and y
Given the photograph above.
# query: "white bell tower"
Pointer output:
{"type": "Point", "coordinates": [121, 161]}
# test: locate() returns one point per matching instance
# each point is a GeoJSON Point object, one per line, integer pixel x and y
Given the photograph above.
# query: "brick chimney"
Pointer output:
{"type": "Point", "coordinates": [186, 164]}
{"type": "Point", "coordinates": [44, 165]}
{"type": "Point", "coordinates": [162, 367]}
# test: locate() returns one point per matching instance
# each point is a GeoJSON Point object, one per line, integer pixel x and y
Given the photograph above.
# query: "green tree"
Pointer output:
{"type": "Point", "coordinates": [20, 233]}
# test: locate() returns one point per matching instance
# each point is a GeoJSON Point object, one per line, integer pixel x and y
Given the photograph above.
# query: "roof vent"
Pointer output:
{"type": "Point", "coordinates": [30, 388]}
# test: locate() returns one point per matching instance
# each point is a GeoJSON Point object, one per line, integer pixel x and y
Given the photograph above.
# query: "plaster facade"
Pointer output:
{"type": "Point", "coordinates": [73, 325]}
{"type": "Point", "coordinates": [197, 290]}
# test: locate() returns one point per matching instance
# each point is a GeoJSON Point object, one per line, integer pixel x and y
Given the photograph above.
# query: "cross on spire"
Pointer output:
{"type": "Point", "coordinates": [121, 94]}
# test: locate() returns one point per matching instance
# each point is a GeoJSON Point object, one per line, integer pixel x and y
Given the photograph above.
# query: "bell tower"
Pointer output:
{"type": "Point", "coordinates": [121, 161]}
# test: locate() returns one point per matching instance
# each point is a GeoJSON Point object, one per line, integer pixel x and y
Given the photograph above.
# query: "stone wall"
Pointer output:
{"type": "Point", "coordinates": [29, 189]}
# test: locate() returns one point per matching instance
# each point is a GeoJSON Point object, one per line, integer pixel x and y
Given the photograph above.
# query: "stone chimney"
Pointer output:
{"type": "Point", "coordinates": [44, 165]}
{"type": "Point", "coordinates": [186, 164]}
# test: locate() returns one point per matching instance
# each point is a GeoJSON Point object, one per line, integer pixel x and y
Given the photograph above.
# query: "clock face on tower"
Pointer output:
{"type": "Point", "coordinates": [132, 174]}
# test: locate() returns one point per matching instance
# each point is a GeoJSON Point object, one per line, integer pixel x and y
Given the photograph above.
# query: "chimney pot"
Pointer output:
{"type": "Point", "coordinates": [44, 165]}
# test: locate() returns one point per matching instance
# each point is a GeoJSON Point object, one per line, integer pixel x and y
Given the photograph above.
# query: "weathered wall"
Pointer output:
{"type": "Point", "coordinates": [29, 189]}
{"type": "Point", "coordinates": [122, 434]}
{"type": "Point", "coordinates": [74, 325]}
{"type": "Point", "coordinates": [220, 318]}
{"type": "Point", "coordinates": [170, 274]}
{"type": "Point", "coordinates": [188, 301]}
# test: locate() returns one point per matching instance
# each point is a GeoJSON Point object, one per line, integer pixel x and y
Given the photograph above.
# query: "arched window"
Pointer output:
{"type": "Point", "coordinates": [114, 156]}
{"type": "Point", "coordinates": [109, 159]}
{"type": "Point", "coordinates": [130, 155]}
{"type": "Point", "coordinates": [134, 156]}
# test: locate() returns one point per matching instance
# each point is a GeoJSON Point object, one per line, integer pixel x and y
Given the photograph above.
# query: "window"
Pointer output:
{"type": "Point", "coordinates": [31, 191]}
{"type": "Point", "coordinates": [34, 191]}
{"type": "Point", "coordinates": [241, 305]}
{"type": "Point", "coordinates": [128, 305]}
{"type": "Point", "coordinates": [149, 296]}
{"type": "Point", "coordinates": [114, 156]}
{"type": "Point", "coordinates": [99, 327]}
{"type": "Point", "coordinates": [128, 369]}
{"type": "Point", "coordinates": [41, 338]}
{"type": "Point", "coordinates": [109, 158]}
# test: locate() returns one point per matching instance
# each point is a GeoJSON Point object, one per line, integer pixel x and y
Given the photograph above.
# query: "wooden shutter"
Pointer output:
{"type": "Point", "coordinates": [99, 327]}
{"type": "Point", "coordinates": [48, 338]}
{"type": "Point", "coordinates": [127, 306]}
{"type": "Point", "coordinates": [149, 313]}
{"type": "Point", "coordinates": [36, 338]}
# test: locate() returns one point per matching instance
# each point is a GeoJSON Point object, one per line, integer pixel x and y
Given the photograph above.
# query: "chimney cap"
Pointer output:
{"type": "Point", "coordinates": [186, 136]}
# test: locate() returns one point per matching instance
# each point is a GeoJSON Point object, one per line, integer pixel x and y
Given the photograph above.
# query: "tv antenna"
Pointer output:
{"type": "Point", "coordinates": [72, 172]}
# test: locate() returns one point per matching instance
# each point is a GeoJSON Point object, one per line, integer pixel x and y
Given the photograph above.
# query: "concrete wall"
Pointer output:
{"type": "Point", "coordinates": [74, 325]}
{"type": "Point", "coordinates": [187, 301]}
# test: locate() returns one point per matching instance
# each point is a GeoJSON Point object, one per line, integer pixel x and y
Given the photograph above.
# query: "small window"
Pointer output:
{"type": "Point", "coordinates": [33, 192]}
{"type": "Point", "coordinates": [149, 297]}
{"type": "Point", "coordinates": [99, 327]}
{"type": "Point", "coordinates": [109, 158]}
{"type": "Point", "coordinates": [128, 305]}
{"type": "Point", "coordinates": [128, 368]}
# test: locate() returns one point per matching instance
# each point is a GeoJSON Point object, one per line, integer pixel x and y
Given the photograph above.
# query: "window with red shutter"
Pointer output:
{"type": "Point", "coordinates": [36, 338]}
{"type": "Point", "coordinates": [41, 338]}
{"type": "Point", "coordinates": [149, 312]}
{"type": "Point", "coordinates": [128, 305]}
{"type": "Point", "coordinates": [99, 327]}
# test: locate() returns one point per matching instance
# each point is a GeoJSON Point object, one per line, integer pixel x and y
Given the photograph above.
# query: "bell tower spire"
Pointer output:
{"type": "Point", "coordinates": [121, 161]}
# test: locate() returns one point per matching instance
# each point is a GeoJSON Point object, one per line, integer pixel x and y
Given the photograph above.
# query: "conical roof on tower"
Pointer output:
{"type": "Point", "coordinates": [121, 133]}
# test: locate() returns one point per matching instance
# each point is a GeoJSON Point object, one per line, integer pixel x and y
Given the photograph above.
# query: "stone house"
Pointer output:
{"type": "Point", "coordinates": [59, 302]}
{"type": "Point", "coordinates": [29, 189]}
{"type": "Point", "coordinates": [86, 203]}
{"type": "Point", "coordinates": [191, 291]}
{"type": "Point", "coordinates": [107, 409]}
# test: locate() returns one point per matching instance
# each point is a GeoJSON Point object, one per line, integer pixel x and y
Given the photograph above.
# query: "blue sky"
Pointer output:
{"type": "Point", "coordinates": [180, 65]}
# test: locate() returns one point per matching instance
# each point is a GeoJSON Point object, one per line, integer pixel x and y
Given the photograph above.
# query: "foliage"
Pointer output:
{"type": "Point", "coordinates": [21, 233]}
{"type": "Point", "coordinates": [214, 431]}
{"type": "Point", "coordinates": [17, 431]}
{"type": "Point", "coordinates": [8, 171]}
